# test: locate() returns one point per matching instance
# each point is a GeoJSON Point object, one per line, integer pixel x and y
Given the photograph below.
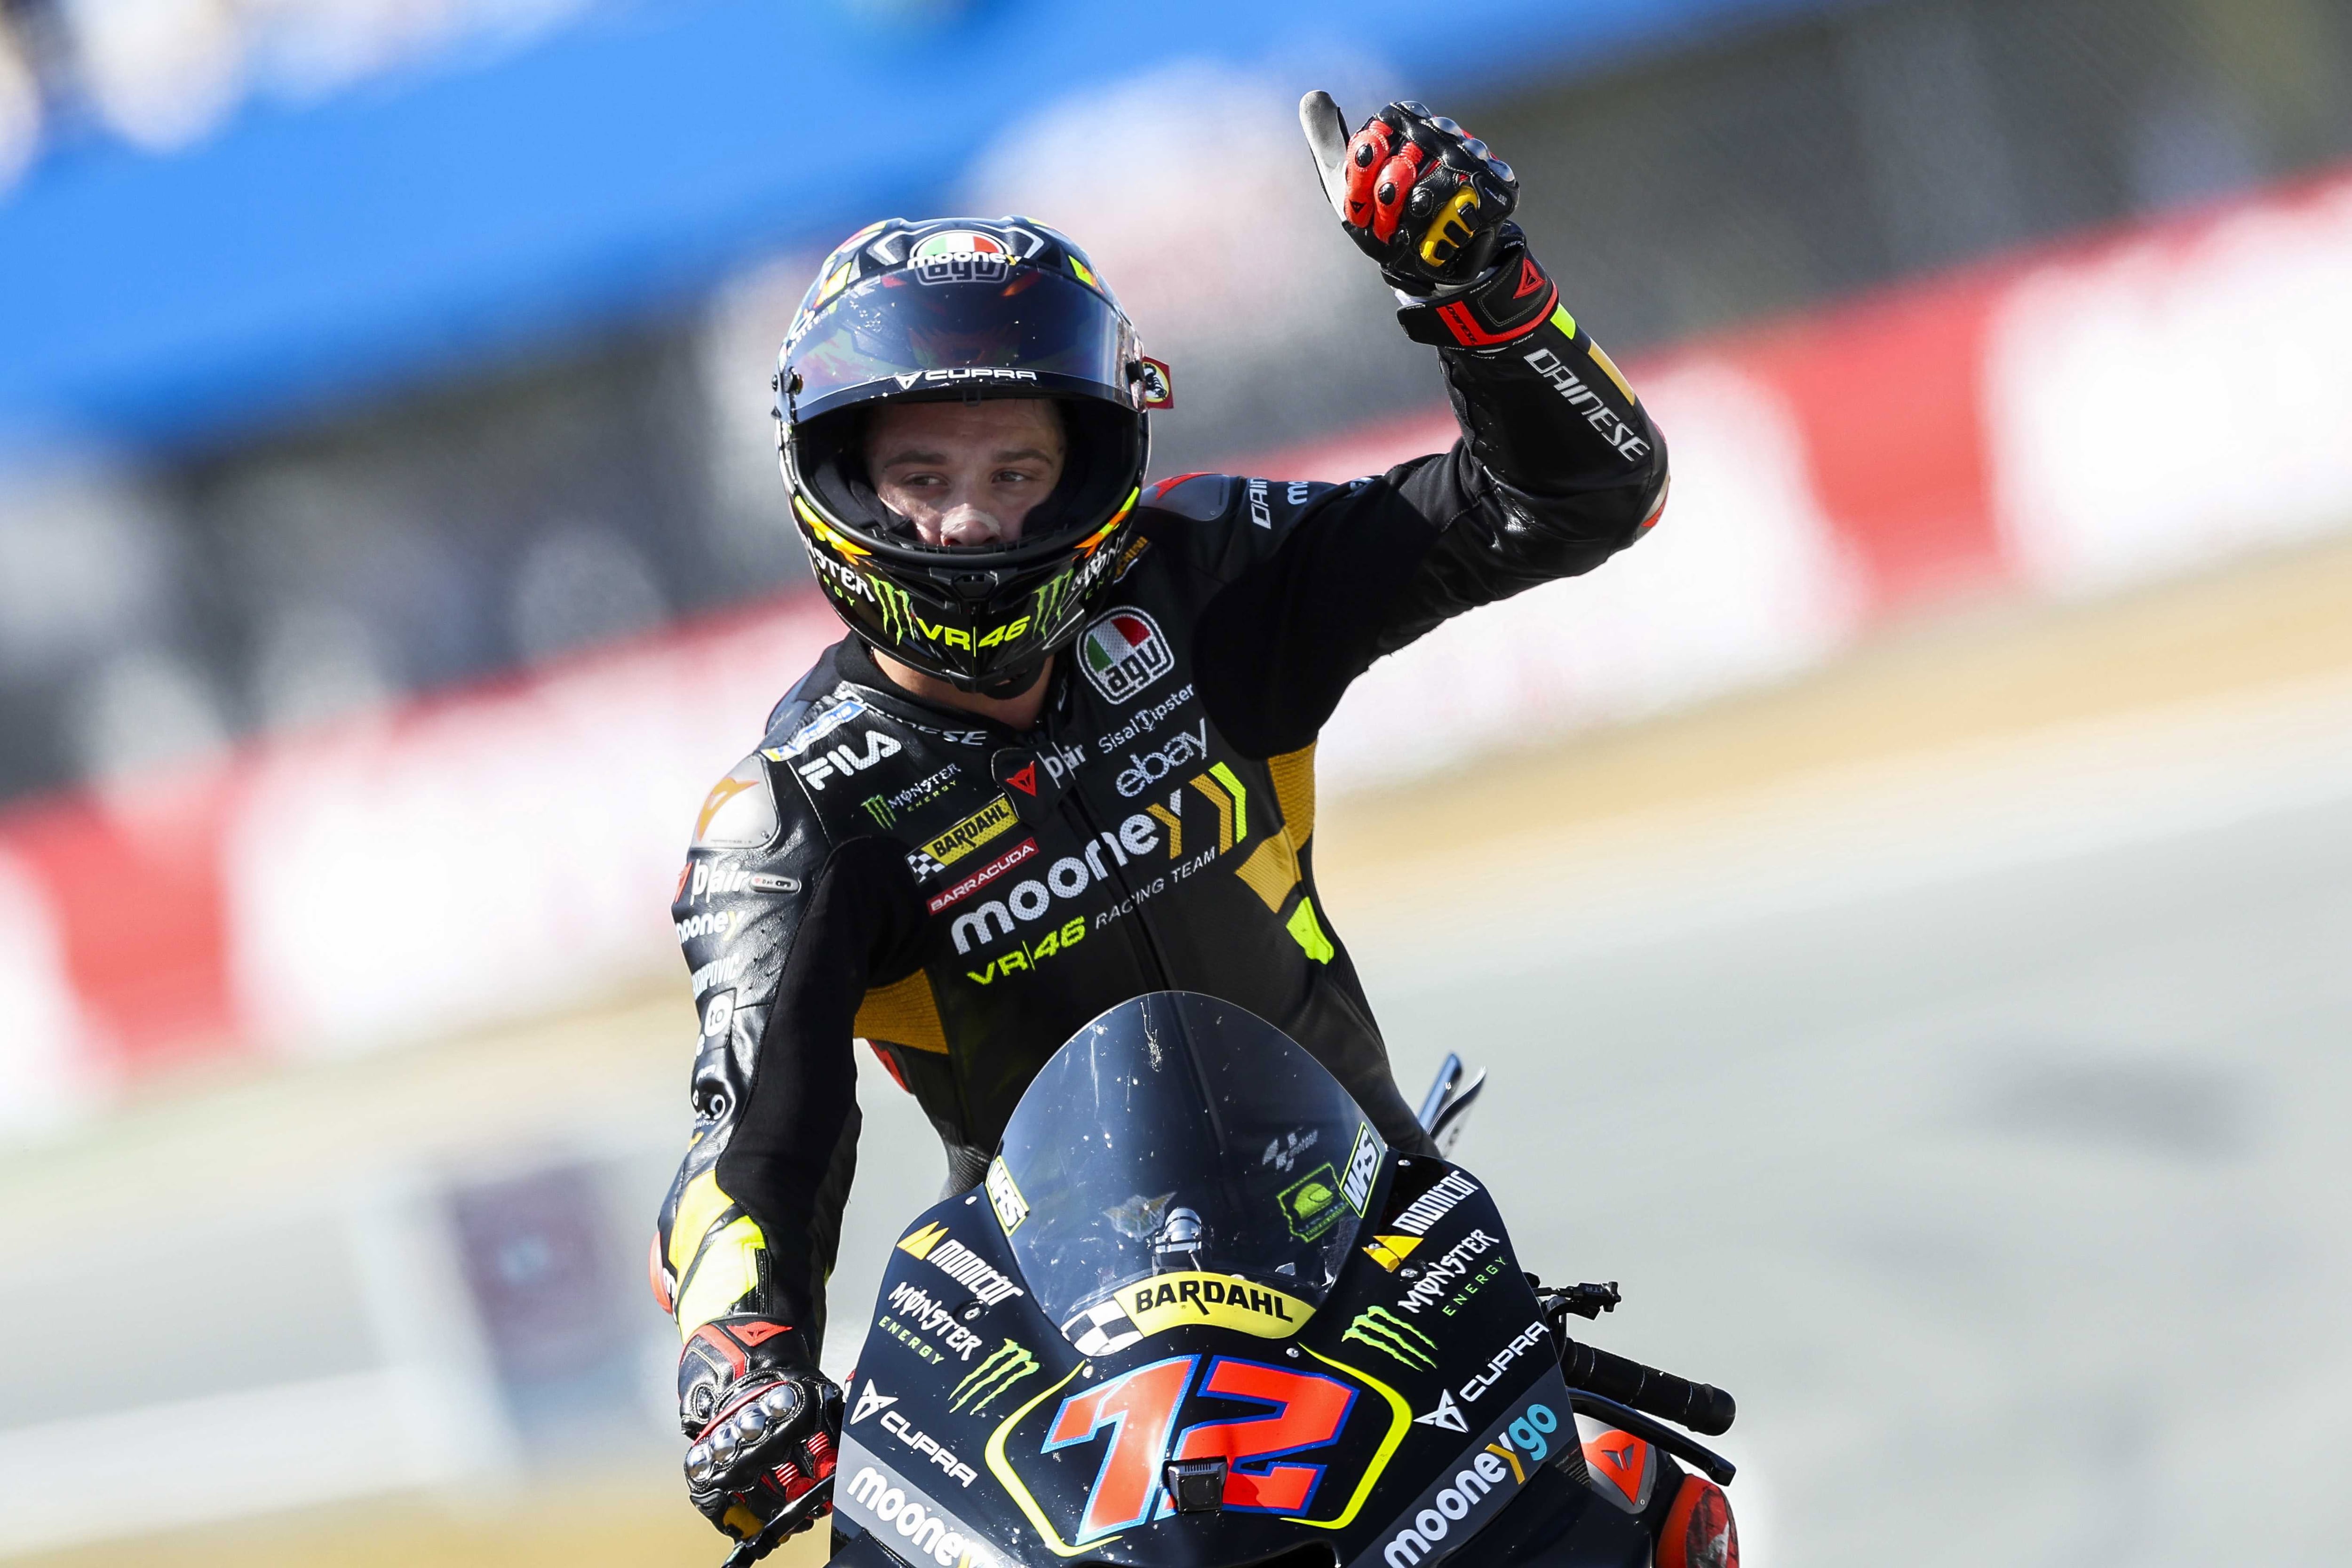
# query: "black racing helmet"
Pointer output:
{"type": "Point", "coordinates": [958, 309]}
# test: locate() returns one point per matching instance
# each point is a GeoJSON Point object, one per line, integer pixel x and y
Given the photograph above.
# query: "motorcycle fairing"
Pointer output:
{"type": "Point", "coordinates": [973, 1421]}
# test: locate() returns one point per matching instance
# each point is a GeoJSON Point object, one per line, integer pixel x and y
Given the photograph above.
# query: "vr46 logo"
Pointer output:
{"type": "Point", "coordinates": [1026, 956]}
{"type": "Point", "coordinates": [956, 637]}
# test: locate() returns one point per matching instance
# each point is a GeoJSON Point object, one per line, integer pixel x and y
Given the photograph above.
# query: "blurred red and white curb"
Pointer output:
{"type": "Point", "coordinates": [2061, 423]}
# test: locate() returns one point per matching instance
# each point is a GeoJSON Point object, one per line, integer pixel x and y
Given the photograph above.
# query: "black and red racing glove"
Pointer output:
{"type": "Point", "coordinates": [764, 1422]}
{"type": "Point", "coordinates": [1432, 204]}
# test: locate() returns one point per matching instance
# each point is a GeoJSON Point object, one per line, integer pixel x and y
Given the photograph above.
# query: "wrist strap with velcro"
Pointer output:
{"type": "Point", "coordinates": [1506, 305]}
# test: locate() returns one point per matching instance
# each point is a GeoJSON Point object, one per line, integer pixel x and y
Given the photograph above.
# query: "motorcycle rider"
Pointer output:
{"type": "Point", "coordinates": [1066, 755]}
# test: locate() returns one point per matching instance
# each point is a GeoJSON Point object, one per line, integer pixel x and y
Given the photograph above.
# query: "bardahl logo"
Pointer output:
{"type": "Point", "coordinates": [972, 832]}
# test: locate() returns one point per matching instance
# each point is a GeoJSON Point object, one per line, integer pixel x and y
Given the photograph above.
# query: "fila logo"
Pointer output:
{"type": "Point", "coordinates": [843, 759]}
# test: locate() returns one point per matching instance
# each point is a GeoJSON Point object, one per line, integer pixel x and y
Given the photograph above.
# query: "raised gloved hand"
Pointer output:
{"type": "Point", "coordinates": [1427, 201]}
{"type": "Point", "coordinates": [1416, 192]}
{"type": "Point", "coordinates": [764, 1422]}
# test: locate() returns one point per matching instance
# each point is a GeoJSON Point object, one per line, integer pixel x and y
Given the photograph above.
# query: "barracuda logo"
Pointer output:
{"type": "Point", "coordinates": [1394, 1337]}
{"type": "Point", "coordinates": [1007, 1365]}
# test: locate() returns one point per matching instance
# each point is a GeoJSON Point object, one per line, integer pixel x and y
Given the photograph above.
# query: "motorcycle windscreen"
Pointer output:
{"type": "Point", "coordinates": [1182, 1138]}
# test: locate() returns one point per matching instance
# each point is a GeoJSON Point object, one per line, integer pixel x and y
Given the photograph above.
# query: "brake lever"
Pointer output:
{"type": "Point", "coordinates": [800, 1511]}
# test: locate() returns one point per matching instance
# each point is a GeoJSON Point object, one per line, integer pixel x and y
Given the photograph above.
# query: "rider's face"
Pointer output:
{"type": "Point", "coordinates": [965, 473]}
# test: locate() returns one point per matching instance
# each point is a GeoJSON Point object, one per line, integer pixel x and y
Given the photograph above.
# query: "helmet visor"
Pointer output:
{"type": "Point", "coordinates": [1024, 332]}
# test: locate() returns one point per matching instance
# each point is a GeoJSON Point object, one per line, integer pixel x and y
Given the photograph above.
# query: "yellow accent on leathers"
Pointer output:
{"type": "Point", "coordinates": [1293, 791]}
{"type": "Point", "coordinates": [1272, 869]}
{"type": "Point", "coordinates": [726, 1270]}
{"type": "Point", "coordinates": [697, 1207]}
{"type": "Point", "coordinates": [906, 1015]}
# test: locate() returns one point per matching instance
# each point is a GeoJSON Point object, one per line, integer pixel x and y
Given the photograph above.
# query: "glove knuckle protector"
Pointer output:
{"type": "Point", "coordinates": [1425, 198]}
{"type": "Point", "coordinates": [763, 1421]}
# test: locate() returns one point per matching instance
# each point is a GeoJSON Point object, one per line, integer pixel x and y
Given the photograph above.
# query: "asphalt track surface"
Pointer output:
{"type": "Point", "coordinates": [1978, 1122]}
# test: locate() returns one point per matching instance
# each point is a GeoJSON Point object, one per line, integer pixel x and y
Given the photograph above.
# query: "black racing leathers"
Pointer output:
{"type": "Point", "coordinates": [965, 898]}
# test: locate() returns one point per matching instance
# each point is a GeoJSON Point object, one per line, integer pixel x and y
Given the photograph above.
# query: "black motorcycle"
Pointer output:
{"type": "Point", "coordinates": [1198, 1314]}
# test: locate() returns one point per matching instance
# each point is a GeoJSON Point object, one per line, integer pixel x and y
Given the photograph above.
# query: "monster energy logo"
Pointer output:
{"type": "Point", "coordinates": [879, 810]}
{"type": "Point", "coordinates": [1050, 599]}
{"type": "Point", "coordinates": [992, 1377]}
{"type": "Point", "coordinates": [897, 609]}
{"type": "Point", "coordinates": [1392, 1337]}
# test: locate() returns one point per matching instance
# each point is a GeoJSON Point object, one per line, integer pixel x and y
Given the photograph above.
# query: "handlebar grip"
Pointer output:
{"type": "Point", "coordinates": [1701, 1407]}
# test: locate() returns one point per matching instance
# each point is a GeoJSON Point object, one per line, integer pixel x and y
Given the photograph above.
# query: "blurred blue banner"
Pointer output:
{"type": "Point", "coordinates": [307, 253]}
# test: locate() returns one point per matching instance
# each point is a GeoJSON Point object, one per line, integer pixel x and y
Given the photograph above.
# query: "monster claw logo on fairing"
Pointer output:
{"type": "Point", "coordinates": [1394, 1338]}
{"type": "Point", "coordinates": [1006, 1365]}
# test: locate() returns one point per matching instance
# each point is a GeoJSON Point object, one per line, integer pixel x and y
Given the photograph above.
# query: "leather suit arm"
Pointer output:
{"type": "Point", "coordinates": [783, 938]}
{"type": "Point", "coordinates": [1558, 467]}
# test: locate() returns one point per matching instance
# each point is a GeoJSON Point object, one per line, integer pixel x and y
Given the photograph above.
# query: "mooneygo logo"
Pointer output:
{"type": "Point", "coordinates": [1487, 1479]}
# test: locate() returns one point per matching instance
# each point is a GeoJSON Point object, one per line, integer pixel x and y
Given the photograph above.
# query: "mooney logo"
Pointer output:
{"type": "Point", "coordinates": [1394, 1338]}
{"type": "Point", "coordinates": [1005, 1366]}
{"type": "Point", "coordinates": [960, 255]}
{"type": "Point", "coordinates": [960, 1264]}
{"type": "Point", "coordinates": [1433, 1205]}
{"type": "Point", "coordinates": [886, 1504]}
